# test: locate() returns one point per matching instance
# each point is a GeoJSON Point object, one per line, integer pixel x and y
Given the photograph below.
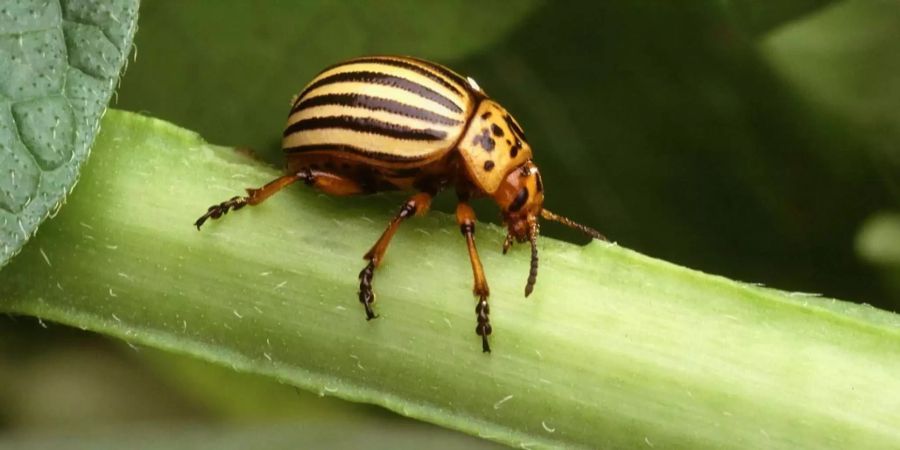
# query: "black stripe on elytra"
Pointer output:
{"type": "Point", "coordinates": [386, 80]}
{"type": "Point", "coordinates": [354, 150]}
{"type": "Point", "coordinates": [409, 66]}
{"type": "Point", "coordinates": [376, 104]}
{"type": "Point", "coordinates": [457, 78]}
{"type": "Point", "coordinates": [366, 125]}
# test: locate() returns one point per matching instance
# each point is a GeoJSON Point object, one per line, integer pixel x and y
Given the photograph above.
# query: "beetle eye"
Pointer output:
{"type": "Point", "coordinates": [520, 200]}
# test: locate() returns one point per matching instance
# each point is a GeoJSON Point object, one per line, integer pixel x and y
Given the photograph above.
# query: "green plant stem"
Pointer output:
{"type": "Point", "coordinates": [613, 349]}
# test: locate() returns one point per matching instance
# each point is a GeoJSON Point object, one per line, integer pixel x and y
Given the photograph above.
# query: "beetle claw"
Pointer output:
{"type": "Point", "coordinates": [507, 243]}
{"type": "Point", "coordinates": [483, 329]}
{"type": "Point", "coordinates": [366, 296]}
{"type": "Point", "coordinates": [217, 211]}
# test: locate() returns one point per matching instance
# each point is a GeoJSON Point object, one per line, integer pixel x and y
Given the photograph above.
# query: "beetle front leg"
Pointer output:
{"type": "Point", "coordinates": [465, 217]}
{"type": "Point", "coordinates": [416, 205]}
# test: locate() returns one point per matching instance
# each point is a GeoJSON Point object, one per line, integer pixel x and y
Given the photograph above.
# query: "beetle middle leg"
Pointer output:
{"type": "Point", "coordinates": [417, 205]}
{"type": "Point", "coordinates": [465, 217]}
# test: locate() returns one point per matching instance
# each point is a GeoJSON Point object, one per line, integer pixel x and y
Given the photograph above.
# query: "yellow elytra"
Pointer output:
{"type": "Point", "coordinates": [384, 123]}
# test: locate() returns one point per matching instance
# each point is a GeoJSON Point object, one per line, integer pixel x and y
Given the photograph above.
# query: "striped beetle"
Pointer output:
{"type": "Point", "coordinates": [384, 123]}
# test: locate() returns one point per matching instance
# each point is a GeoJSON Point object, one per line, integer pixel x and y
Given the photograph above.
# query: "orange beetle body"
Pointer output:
{"type": "Point", "coordinates": [384, 123]}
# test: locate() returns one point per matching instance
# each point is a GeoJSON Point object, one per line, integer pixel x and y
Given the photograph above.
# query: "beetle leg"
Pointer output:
{"type": "Point", "coordinates": [254, 197]}
{"type": "Point", "coordinates": [331, 184]}
{"type": "Point", "coordinates": [465, 217]}
{"type": "Point", "coordinates": [417, 205]}
{"type": "Point", "coordinates": [323, 181]}
{"type": "Point", "coordinates": [507, 243]}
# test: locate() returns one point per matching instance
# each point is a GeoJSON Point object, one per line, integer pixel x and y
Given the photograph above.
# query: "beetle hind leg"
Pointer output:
{"type": "Point", "coordinates": [216, 211]}
{"type": "Point", "coordinates": [253, 197]}
{"type": "Point", "coordinates": [366, 294]}
{"type": "Point", "coordinates": [326, 182]}
{"type": "Point", "coordinates": [416, 205]}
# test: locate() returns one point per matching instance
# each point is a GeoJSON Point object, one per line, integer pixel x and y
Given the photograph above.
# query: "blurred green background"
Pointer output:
{"type": "Point", "coordinates": [751, 140]}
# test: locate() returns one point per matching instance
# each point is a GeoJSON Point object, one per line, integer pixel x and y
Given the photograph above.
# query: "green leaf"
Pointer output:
{"type": "Point", "coordinates": [613, 349]}
{"type": "Point", "coordinates": [249, 397]}
{"type": "Point", "coordinates": [59, 63]}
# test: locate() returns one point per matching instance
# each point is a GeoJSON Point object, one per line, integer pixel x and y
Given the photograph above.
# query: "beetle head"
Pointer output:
{"type": "Point", "coordinates": [521, 199]}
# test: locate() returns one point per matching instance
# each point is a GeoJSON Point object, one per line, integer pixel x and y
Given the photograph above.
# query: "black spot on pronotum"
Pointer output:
{"type": "Point", "coordinates": [497, 131]}
{"type": "Point", "coordinates": [488, 166]}
{"type": "Point", "coordinates": [514, 150]}
{"type": "Point", "coordinates": [486, 116]}
{"type": "Point", "coordinates": [516, 129]}
{"type": "Point", "coordinates": [484, 140]}
{"type": "Point", "coordinates": [520, 200]}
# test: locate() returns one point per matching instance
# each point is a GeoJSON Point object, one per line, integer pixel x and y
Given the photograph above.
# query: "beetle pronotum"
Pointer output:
{"type": "Point", "coordinates": [383, 123]}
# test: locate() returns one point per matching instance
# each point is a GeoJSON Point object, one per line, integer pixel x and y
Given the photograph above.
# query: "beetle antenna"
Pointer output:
{"type": "Point", "coordinates": [572, 224]}
{"type": "Point", "coordinates": [532, 275]}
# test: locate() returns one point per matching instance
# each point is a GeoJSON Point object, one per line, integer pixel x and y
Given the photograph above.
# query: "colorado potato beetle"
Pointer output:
{"type": "Point", "coordinates": [384, 123]}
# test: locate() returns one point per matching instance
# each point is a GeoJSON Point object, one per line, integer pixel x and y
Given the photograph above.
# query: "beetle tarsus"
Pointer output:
{"type": "Point", "coordinates": [415, 205]}
{"type": "Point", "coordinates": [366, 296]}
{"type": "Point", "coordinates": [254, 196]}
{"type": "Point", "coordinates": [483, 329]}
{"type": "Point", "coordinates": [465, 217]}
{"type": "Point", "coordinates": [507, 243]}
{"type": "Point", "coordinates": [216, 211]}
